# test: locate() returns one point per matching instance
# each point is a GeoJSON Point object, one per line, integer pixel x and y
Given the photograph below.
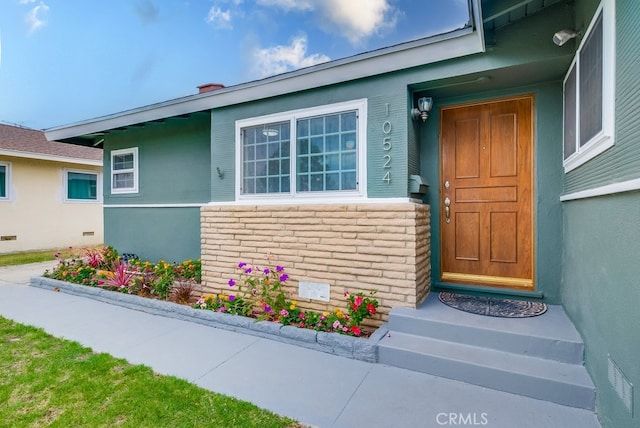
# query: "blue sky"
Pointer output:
{"type": "Point", "coordinates": [64, 61]}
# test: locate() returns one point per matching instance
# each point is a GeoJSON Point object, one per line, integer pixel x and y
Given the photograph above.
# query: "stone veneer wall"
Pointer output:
{"type": "Point", "coordinates": [353, 247]}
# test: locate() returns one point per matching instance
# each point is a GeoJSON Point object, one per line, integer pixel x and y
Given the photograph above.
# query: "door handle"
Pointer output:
{"type": "Point", "coordinates": [447, 210]}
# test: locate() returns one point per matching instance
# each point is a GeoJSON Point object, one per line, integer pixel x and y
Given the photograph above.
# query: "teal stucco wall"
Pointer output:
{"type": "Point", "coordinates": [601, 292]}
{"type": "Point", "coordinates": [174, 171]}
{"type": "Point", "coordinates": [601, 237]}
{"type": "Point", "coordinates": [173, 159]}
{"type": "Point", "coordinates": [169, 234]}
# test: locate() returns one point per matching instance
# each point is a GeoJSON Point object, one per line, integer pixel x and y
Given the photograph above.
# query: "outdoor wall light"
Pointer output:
{"type": "Point", "coordinates": [563, 36]}
{"type": "Point", "coordinates": [424, 107]}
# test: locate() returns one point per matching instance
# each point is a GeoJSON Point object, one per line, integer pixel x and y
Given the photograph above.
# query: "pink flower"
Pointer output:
{"type": "Point", "coordinates": [284, 313]}
{"type": "Point", "coordinates": [336, 324]}
{"type": "Point", "coordinates": [301, 315]}
{"type": "Point", "coordinates": [346, 294]}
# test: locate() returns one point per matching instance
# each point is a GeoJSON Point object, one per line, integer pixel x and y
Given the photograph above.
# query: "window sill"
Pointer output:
{"type": "Point", "coordinates": [596, 146]}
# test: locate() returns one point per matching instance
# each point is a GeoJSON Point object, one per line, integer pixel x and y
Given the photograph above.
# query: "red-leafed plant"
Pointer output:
{"type": "Point", "coordinates": [122, 276]}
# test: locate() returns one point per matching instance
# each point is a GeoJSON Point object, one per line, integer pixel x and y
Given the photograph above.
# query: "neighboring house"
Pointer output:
{"type": "Point", "coordinates": [530, 149]}
{"type": "Point", "coordinates": [50, 192]}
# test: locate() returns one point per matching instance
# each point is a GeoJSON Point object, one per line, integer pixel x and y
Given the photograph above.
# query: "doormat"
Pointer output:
{"type": "Point", "coordinates": [493, 306]}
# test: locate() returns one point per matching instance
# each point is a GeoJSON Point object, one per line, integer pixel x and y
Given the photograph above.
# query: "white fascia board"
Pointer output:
{"type": "Point", "coordinates": [53, 158]}
{"type": "Point", "coordinates": [412, 54]}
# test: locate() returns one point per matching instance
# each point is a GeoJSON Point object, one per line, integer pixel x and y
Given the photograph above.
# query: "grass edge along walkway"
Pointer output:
{"type": "Point", "coordinates": [25, 257]}
{"type": "Point", "coordinates": [46, 381]}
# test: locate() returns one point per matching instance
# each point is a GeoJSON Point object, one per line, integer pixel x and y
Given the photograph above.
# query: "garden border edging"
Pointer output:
{"type": "Point", "coordinates": [364, 349]}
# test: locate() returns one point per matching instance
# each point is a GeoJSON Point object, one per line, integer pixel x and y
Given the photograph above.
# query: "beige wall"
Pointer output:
{"type": "Point", "coordinates": [352, 247]}
{"type": "Point", "coordinates": [37, 213]}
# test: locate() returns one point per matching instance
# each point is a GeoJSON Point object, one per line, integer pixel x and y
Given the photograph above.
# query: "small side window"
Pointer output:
{"type": "Point", "coordinates": [124, 171]}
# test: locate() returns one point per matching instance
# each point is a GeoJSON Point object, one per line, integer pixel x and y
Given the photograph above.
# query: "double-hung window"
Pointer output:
{"type": "Point", "coordinates": [81, 186]}
{"type": "Point", "coordinates": [316, 152]}
{"type": "Point", "coordinates": [124, 171]}
{"type": "Point", "coordinates": [4, 180]}
{"type": "Point", "coordinates": [589, 105]}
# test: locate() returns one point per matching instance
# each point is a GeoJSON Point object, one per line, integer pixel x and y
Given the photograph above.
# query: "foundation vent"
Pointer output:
{"type": "Point", "coordinates": [8, 238]}
{"type": "Point", "coordinates": [621, 385]}
{"type": "Point", "coordinates": [88, 233]}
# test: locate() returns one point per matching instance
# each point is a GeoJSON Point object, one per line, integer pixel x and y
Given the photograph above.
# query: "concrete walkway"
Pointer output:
{"type": "Point", "coordinates": [313, 387]}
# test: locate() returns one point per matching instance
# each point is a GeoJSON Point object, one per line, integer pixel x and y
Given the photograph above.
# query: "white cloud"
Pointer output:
{"type": "Point", "coordinates": [27, 1]}
{"type": "Point", "coordinates": [355, 20]}
{"type": "Point", "coordinates": [34, 18]}
{"type": "Point", "coordinates": [280, 59]}
{"type": "Point", "coordinates": [219, 18]}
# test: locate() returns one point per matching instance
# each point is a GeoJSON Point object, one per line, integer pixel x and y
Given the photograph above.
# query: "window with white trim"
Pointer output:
{"type": "Point", "coordinates": [124, 171]}
{"type": "Point", "coordinates": [82, 186]}
{"type": "Point", "coordinates": [589, 105]}
{"type": "Point", "coordinates": [5, 180]}
{"type": "Point", "coordinates": [316, 152]}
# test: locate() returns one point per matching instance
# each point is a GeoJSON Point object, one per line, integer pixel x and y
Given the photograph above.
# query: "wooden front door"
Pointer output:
{"type": "Point", "coordinates": [486, 221]}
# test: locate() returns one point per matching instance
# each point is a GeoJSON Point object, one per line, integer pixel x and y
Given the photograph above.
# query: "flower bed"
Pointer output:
{"type": "Point", "coordinates": [255, 305]}
{"type": "Point", "coordinates": [359, 348]}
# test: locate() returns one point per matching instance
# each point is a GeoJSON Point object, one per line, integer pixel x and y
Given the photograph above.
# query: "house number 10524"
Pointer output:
{"type": "Point", "coordinates": [386, 146]}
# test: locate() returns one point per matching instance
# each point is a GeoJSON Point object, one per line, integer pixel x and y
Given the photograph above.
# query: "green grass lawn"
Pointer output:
{"type": "Point", "coordinates": [32, 257]}
{"type": "Point", "coordinates": [46, 381]}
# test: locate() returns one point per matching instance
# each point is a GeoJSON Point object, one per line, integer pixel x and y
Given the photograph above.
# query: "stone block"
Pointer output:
{"type": "Point", "coordinates": [301, 334]}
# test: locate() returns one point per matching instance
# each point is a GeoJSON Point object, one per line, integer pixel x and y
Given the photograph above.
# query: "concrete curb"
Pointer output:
{"type": "Point", "coordinates": [331, 343]}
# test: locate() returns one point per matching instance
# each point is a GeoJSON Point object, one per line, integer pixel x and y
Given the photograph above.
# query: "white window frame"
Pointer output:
{"type": "Point", "coordinates": [65, 174]}
{"type": "Point", "coordinates": [604, 139]}
{"type": "Point", "coordinates": [7, 196]}
{"type": "Point", "coordinates": [134, 170]}
{"type": "Point", "coordinates": [360, 106]}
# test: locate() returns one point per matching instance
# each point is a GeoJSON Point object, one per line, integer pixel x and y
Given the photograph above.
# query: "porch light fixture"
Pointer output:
{"type": "Point", "coordinates": [424, 107]}
{"type": "Point", "coordinates": [563, 36]}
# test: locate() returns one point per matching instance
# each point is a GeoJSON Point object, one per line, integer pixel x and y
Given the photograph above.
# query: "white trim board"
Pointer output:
{"type": "Point", "coordinates": [609, 189]}
{"type": "Point", "coordinates": [194, 205]}
{"type": "Point", "coordinates": [318, 201]}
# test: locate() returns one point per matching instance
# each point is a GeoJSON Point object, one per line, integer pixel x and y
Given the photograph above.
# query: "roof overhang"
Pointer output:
{"type": "Point", "coordinates": [52, 158]}
{"type": "Point", "coordinates": [458, 43]}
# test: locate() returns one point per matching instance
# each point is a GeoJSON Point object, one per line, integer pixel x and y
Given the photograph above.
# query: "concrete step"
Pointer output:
{"type": "Point", "coordinates": [550, 336]}
{"type": "Point", "coordinates": [540, 357]}
{"type": "Point", "coordinates": [549, 380]}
